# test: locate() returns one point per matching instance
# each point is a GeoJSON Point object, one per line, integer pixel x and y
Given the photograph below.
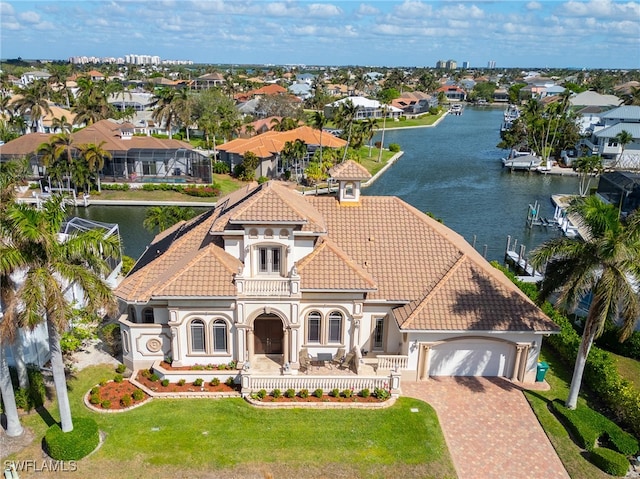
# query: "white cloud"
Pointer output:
{"type": "Point", "coordinates": [413, 8]}
{"type": "Point", "coordinates": [462, 11]}
{"type": "Point", "coordinates": [534, 6]}
{"type": "Point", "coordinates": [366, 9]}
{"type": "Point", "coordinates": [29, 17]}
{"type": "Point", "coordinates": [6, 9]}
{"type": "Point", "coordinates": [44, 26]}
{"type": "Point", "coordinates": [324, 10]}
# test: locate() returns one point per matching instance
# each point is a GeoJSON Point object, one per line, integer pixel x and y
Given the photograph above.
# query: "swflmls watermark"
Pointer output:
{"type": "Point", "coordinates": [43, 465]}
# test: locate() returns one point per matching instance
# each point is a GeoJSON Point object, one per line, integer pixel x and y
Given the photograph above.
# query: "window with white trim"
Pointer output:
{"type": "Point", "coordinates": [197, 336]}
{"type": "Point", "coordinates": [147, 316]}
{"type": "Point", "coordinates": [219, 336]}
{"type": "Point", "coordinates": [269, 260]}
{"type": "Point", "coordinates": [335, 327]}
{"type": "Point", "coordinates": [314, 320]}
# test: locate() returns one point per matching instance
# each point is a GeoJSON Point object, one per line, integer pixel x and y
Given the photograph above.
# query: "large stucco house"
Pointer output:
{"type": "Point", "coordinates": [271, 272]}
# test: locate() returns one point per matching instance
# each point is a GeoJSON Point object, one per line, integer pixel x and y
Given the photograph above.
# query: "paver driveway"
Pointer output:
{"type": "Point", "coordinates": [490, 429]}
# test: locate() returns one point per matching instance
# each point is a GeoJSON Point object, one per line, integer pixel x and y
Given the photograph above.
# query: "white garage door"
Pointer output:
{"type": "Point", "coordinates": [471, 358]}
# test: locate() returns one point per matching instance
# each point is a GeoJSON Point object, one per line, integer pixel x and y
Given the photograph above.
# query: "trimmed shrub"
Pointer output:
{"type": "Point", "coordinates": [262, 394]}
{"type": "Point", "coordinates": [115, 186]}
{"type": "Point", "coordinates": [394, 147]}
{"type": "Point", "coordinates": [276, 393]}
{"type": "Point", "coordinates": [94, 399]}
{"type": "Point", "coordinates": [154, 377]}
{"type": "Point", "coordinates": [125, 400]}
{"type": "Point", "coordinates": [215, 382]}
{"type": "Point", "coordinates": [73, 445]}
{"type": "Point", "coordinates": [262, 179]}
{"type": "Point", "coordinates": [138, 395]}
{"type": "Point", "coordinates": [381, 394]}
{"type": "Point", "coordinates": [145, 373]}
{"type": "Point", "coordinates": [103, 382]}
{"type": "Point", "coordinates": [121, 368]}
{"type": "Point", "coordinates": [335, 393]}
{"type": "Point", "coordinates": [198, 382]}
{"type": "Point", "coordinates": [230, 382]}
{"type": "Point", "coordinates": [165, 382]}
{"type": "Point", "coordinates": [347, 393]}
{"type": "Point", "coordinates": [290, 393]}
{"type": "Point", "coordinates": [220, 168]}
{"type": "Point", "coordinates": [181, 382]}
{"type": "Point", "coordinates": [318, 393]}
{"type": "Point", "coordinates": [118, 378]}
{"type": "Point", "coordinates": [609, 461]}
{"type": "Point", "coordinates": [304, 393]}
{"type": "Point", "coordinates": [106, 404]}
{"type": "Point", "coordinates": [94, 390]}
{"type": "Point", "coordinates": [365, 393]}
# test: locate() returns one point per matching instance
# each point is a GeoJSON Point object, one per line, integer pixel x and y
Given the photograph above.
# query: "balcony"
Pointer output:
{"type": "Point", "coordinates": [268, 286]}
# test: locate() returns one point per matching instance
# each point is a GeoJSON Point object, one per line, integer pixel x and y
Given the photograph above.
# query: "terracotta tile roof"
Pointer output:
{"type": "Point", "coordinates": [382, 246]}
{"type": "Point", "coordinates": [268, 203]}
{"type": "Point", "coordinates": [24, 145]}
{"type": "Point", "coordinates": [329, 268]}
{"type": "Point", "coordinates": [271, 89]}
{"type": "Point", "coordinates": [349, 170]}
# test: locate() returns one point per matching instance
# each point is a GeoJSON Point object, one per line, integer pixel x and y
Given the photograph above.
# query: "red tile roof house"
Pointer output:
{"type": "Point", "coordinates": [271, 274]}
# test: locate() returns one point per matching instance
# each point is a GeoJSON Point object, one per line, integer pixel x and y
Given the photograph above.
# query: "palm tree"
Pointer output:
{"type": "Point", "coordinates": [633, 97]}
{"type": "Point", "coordinates": [61, 124]}
{"type": "Point", "coordinates": [345, 117]}
{"type": "Point", "coordinates": [369, 127]}
{"type": "Point", "coordinates": [623, 138]}
{"type": "Point", "coordinates": [94, 155]}
{"type": "Point", "coordinates": [165, 107]}
{"type": "Point", "coordinates": [606, 264]}
{"type": "Point", "coordinates": [184, 108]}
{"type": "Point", "coordinates": [34, 102]}
{"type": "Point", "coordinates": [319, 121]}
{"type": "Point", "coordinates": [63, 143]}
{"type": "Point", "coordinates": [30, 244]}
{"type": "Point", "coordinates": [587, 167]}
{"type": "Point", "coordinates": [159, 218]}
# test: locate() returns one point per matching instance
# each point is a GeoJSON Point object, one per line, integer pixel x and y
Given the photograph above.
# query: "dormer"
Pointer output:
{"type": "Point", "coordinates": [349, 176]}
{"type": "Point", "coordinates": [126, 131]}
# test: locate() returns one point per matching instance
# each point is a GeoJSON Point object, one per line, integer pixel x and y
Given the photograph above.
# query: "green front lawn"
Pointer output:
{"type": "Point", "coordinates": [228, 437]}
{"type": "Point", "coordinates": [572, 456]}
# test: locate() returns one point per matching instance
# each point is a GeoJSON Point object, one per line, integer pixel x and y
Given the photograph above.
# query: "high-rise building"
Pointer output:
{"type": "Point", "coordinates": [491, 64]}
{"type": "Point", "coordinates": [466, 65]}
{"type": "Point", "coordinates": [451, 65]}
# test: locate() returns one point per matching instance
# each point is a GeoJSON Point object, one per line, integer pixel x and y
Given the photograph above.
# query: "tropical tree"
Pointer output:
{"type": "Point", "coordinates": [33, 101]}
{"type": "Point", "coordinates": [159, 218]}
{"type": "Point", "coordinates": [633, 97]}
{"type": "Point", "coordinates": [30, 244]}
{"type": "Point", "coordinates": [294, 151]}
{"type": "Point", "coordinates": [606, 264]}
{"type": "Point", "coordinates": [344, 118]}
{"type": "Point", "coordinates": [587, 167]}
{"type": "Point", "coordinates": [623, 139]}
{"type": "Point", "coordinates": [319, 121]}
{"type": "Point", "coordinates": [61, 124]}
{"type": "Point", "coordinates": [165, 107]}
{"type": "Point", "coordinates": [94, 155]}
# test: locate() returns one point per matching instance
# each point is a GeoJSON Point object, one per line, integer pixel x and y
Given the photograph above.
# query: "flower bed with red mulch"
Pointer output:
{"type": "Point", "coordinates": [199, 367]}
{"type": "Point", "coordinates": [111, 396]}
{"type": "Point", "coordinates": [146, 380]}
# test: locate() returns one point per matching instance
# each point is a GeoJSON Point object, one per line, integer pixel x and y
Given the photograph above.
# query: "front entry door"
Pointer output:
{"type": "Point", "coordinates": [268, 335]}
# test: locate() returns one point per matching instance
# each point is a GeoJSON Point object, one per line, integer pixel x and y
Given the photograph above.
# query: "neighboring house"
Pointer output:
{"type": "Point", "coordinates": [553, 90]}
{"type": "Point", "coordinates": [144, 158]}
{"type": "Point", "coordinates": [501, 95]}
{"type": "Point", "coordinates": [268, 145]}
{"type": "Point", "coordinates": [415, 103]}
{"type": "Point", "coordinates": [453, 92]}
{"type": "Point", "coordinates": [594, 99]}
{"type": "Point", "coordinates": [208, 80]}
{"type": "Point", "coordinates": [269, 272]}
{"type": "Point", "coordinates": [622, 189]}
{"type": "Point", "coordinates": [367, 108]}
{"type": "Point", "coordinates": [301, 90]}
{"type": "Point", "coordinates": [29, 77]}
{"type": "Point", "coordinates": [139, 101]}
{"type": "Point", "coordinates": [603, 140]}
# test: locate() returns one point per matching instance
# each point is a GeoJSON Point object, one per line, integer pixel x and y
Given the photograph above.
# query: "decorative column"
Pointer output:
{"type": "Point", "coordinates": [285, 348]}
{"type": "Point", "coordinates": [250, 345]}
{"type": "Point", "coordinates": [516, 364]}
{"type": "Point", "coordinates": [175, 346]}
{"type": "Point", "coordinates": [241, 345]}
{"type": "Point", "coordinates": [423, 365]}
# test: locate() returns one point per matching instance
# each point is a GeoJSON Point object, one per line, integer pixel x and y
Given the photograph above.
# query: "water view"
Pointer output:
{"type": "Point", "coordinates": [452, 170]}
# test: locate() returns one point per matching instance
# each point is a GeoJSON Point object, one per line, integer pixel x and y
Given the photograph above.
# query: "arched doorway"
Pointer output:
{"type": "Point", "coordinates": [268, 334]}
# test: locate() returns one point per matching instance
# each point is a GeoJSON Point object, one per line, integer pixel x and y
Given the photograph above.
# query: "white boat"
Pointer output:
{"type": "Point", "coordinates": [456, 109]}
{"type": "Point", "coordinates": [521, 160]}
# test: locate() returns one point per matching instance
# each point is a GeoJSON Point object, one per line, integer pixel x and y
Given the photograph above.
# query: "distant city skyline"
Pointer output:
{"type": "Point", "coordinates": [554, 34]}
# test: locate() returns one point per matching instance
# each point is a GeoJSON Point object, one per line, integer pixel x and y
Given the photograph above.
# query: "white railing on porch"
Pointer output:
{"type": "Point", "coordinates": [392, 362]}
{"type": "Point", "coordinates": [252, 383]}
{"type": "Point", "coordinates": [267, 287]}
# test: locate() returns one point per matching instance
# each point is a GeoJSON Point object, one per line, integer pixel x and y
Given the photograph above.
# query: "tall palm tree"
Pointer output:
{"type": "Point", "coordinates": [34, 102]}
{"type": "Point", "coordinates": [30, 244]}
{"type": "Point", "coordinates": [94, 155]}
{"type": "Point", "coordinates": [61, 124]}
{"type": "Point", "coordinates": [319, 121]}
{"type": "Point", "coordinates": [369, 127]}
{"type": "Point", "coordinates": [623, 138]}
{"type": "Point", "coordinates": [164, 104]}
{"type": "Point", "coordinates": [345, 117]}
{"type": "Point", "coordinates": [159, 218]}
{"type": "Point", "coordinates": [64, 146]}
{"type": "Point", "coordinates": [605, 264]}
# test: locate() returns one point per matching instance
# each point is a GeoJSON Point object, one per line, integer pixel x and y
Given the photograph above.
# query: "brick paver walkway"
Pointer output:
{"type": "Point", "coordinates": [490, 429]}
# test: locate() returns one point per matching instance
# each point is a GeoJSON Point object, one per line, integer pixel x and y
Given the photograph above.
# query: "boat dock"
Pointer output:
{"type": "Point", "coordinates": [514, 258]}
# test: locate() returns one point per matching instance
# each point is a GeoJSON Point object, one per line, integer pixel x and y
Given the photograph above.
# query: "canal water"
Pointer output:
{"type": "Point", "coordinates": [452, 170]}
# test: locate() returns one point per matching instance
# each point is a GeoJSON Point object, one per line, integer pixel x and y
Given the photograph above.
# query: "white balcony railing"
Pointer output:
{"type": "Point", "coordinates": [253, 383]}
{"type": "Point", "coordinates": [392, 362]}
{"type": "Point", "coordinates": [267, 287]}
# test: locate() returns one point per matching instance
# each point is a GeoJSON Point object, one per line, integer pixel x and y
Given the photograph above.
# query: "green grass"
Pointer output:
{"type": "Point", "coordinates": [221, 436]}
{"type": "Point", "coordinates": [629, 369]}
{"type": "Point", "coordinates": [559, 378]}
{"type": "Point", "coordinates": [424, 120]}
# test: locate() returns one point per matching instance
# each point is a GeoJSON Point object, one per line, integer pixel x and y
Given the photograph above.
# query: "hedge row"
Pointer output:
{"type": "Point", "coordinates": [609, 461]}
{"type": "Point", "coordinates": [591, 429]}
{"type": "Point", "coordinates": [73, 445]}
{"type": "Point", "coordinates": [629, 348]}
{"type": "Point", "coordinates": [600, 373]}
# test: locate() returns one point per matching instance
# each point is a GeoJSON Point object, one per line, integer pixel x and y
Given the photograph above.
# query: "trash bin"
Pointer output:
{"type": "Point", "coordinates": [542, 371]}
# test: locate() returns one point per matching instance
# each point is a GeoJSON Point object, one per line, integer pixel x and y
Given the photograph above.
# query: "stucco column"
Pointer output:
{"type": "Point", "coordinates": [524, 358]}
{"type": "Point", "coordinates": [175, 346]}
{"type": "Point", "coordinates": [516, 363]}
{"type": "Point", "coordinates": [241, 345]}
{"type": "Point", "coordinates": [423, 366]}
{"type": "Point", "coordinates": [285, 345]}
{"type": "Point", "coordinates": [250, 345]}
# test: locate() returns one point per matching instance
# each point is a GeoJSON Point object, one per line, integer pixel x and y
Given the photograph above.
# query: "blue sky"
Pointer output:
{"type": "Point", "coordinates": [539, 33]}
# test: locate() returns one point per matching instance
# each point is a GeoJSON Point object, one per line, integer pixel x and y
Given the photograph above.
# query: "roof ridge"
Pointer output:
{"type": "Point", "coordinates": [365, 275]}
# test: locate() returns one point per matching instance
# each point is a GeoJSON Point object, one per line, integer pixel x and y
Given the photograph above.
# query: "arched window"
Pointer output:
{"type": "Point", "coordinates": [253, 233]}
{"type": "Point", "coordinates": [314, 320]}
{"type": "Point", "coordinates": [132, 314]}
{"type": "Point", "coordinates": [197, 336]}
{"type": "Point", "coordinates": [268, 233]}
{"type": "Point", "coordinates": [284, 233]}
{"type": "Point", "coordinates": [219, 336]}
{"type": "Point", "coordinates": [335, 327]}
{"type": "Point", "coordinates": [147, 315]}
